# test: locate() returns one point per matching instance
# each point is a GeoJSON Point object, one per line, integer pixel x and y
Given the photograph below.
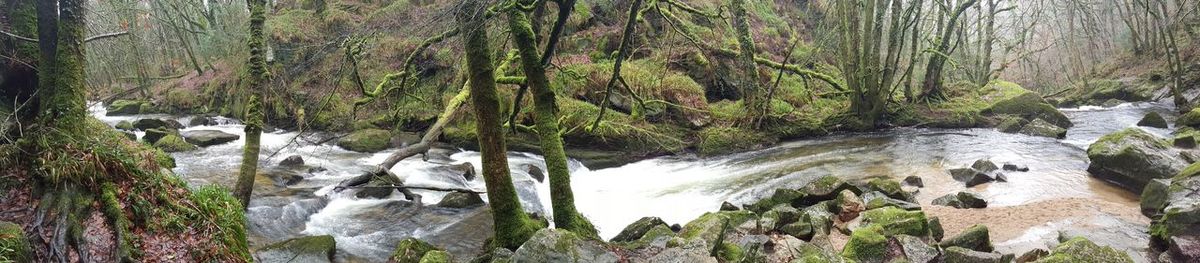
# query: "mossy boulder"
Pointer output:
{"type": "Point", "coordinates": [963, 255]}
{"type": "Point", "coordinates": [301, 249]}
{"type": "Point", "coordinates": [1132, 157]}
{"type": "Point", "coordinates": [1041, 128]}
{"type": "Point", "coordinates": [128, 107]}
{"type": "Point", "coordinates": [1153, 119]}
{"type": "Point", "coordinates": [173, 143]}
{"type": "Point", "coordinates": [780, 196]}
{"type": "Point", "coordinates": [896, 221]}
{"type": "Point", "coordinates": [556, 245]}
{"type": "Point", "coordinates": [1012, 124]}
{"type": "Point", "coordinates": [962, 200]}
{"type": "Point", "coordinates": [638, 229]}
{"type": "Point", "coordinates": [1189, 119]}
{"type": "Point", "coordinates": [826, 188]}
{"type": "Point", "coordinates": [436, 256]}
{"type": "Point", "coordinates": [1177, 228]}
{"type": "Point", "coordinates": [1184, 141]}
{"type": "Point", "coordinates": [153, 135]}
{"type": "Point", "coordinates": [708, 226]}
{"type": "Point", "coordinates": [410, 250]}
{"type": "Point", "coordinates": [1030, 106]}
{"type": "Point", "coordinates": [890, 188]}
{"type": "Point", "coordinates": [151, 123]}
{"type": "Point", "coordinates": [874, 200]}
{"type": "Point", "coordinates": [866, 245]}
{"type": "Point", "coordinates": [205, 138]}
{"type": "Point", "coordinates": [368, 140]}
{"type": "Point", "coordinates": [1096, 92]}
{"type": "Point", "coordinates": [974, 238]}
{"type": "Point", "coordinates": [1155, 197]}
{"type": "Point", "coordinates": [14, 246]}
{"type": "Point", "coordinates": [1081, 249]}
{"type": "Point", "coordinates": [124, 126]}
{"type": "Point", "coordinates": [722, 140]}
{"type": "Point", "coordinates": [460, 200]}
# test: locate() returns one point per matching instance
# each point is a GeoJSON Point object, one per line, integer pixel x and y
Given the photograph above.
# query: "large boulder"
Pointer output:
{"type": "Point", "coordinates": [205, 138]}
{"type": "Point", "coordinates": [556, 245]}
{"type": "Point", "coordinates": [970, 176]}
{"type": "Point", "coordinates": [368, 141]}
{"type": "Point", "coordinates": [153, 135]}
{"type": "Point", "coordinates": [1042, 128]}
{"type": "Point", "coordinates": [896, 221]}
{"type": "Point", "coordinates": [1132, 157]}
{"type": "Point", "coordinates": [1081, 249]}
{"type": "Point", "coordinates": [1189, 119]}
{"type": "Point", "coordinates": [128, 107]}
{"type": "Point", "coordinates": [173, 143]}
{"type": "Point", "coordinates": [962, 200]}
{"type": "Point", "coordinates": [866, 245]}
{"type": "Point", "coordinates": [146, 124]}
{"type": "Point", "coordinates": [1153, 119]}
{"type": "Point", "coordinates": [1012, 124]}
{"type": "Point", "coordinates": [301, 249]}
{"type": "Point", "coordinates": [974, 238]}
{"type": "Point", "coordinates": [963, 255]}
{"type": "Point", "coordinates": [709, 226]}
{"type": "Point", "coordinates": [14, 246]}
{"type": "Point", "coordinates": [410, 250]}
{"type": "Point", "coordinates": [638, 229]}
{"type": "Point", "coordinates": [1030, 106]}
{"type": "Point", "coordinates": [460, 200]}
{"type": "Point", "coordinates": [1177, 228]}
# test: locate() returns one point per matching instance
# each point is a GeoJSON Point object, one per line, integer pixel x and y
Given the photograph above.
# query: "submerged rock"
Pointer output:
{"type": "Point", "coordinates": [368, 141]}
{"type": "Point", "coordinates": [1153, 119]}
{"type": "Point", "coordinates": [961, 200]}
{"type": "Point", "coordinates": [302, 249]}
{"type": "Point", "coordinates": [460, 200]}
{"type": "Point", "coordinates": [638, 229]}
{"type": "Point", "coordinates": [1132, 157]}
{"type": "Point", "coordinates": [294, 160]}
{"type": "Point", "coordinates": [1083, 250]}
{"type": "Point", "coordinates": [1042, 128]}
{"type": "Point", "coordinates": [205, 138]}
{"type": "Point", "coordinates": [555, 245]}
{"type": "Point", "coordinates": [1015, 168]}
{"type": "Point", "coordinates": [914, 181]}
{"type": "Point", "coordinates": [984, 165]}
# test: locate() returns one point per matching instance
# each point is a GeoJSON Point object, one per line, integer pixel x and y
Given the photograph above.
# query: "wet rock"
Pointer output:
{"type": "Point", "coordinates": [970, 176]}
{"type": "Point", "coordinates": [726, 206]}
{"type": "Point", "coordinates": [1012, 124]}
{"type": "Point", "coordinates": [174, 124]}
{"type": "Point", "coordinates": [824, 188]}
{"type": "Point", "coordinates": [202, 121]}
{"type": "Point", "coordinates": [780, 196]}
{"type": "Point", "coordinates": [984, 165]}
{"type": "Point", "coordinates": [367, 141]}
{"type": "Point", "coordinates": [1154, 197]}
{"type": "Point", "coordinates": [533, 171]}
{"type": "Point", "coordinates": [974, 238]}
{"type": "Point", "coordinates": [410, 250]}
{"type": "Point", "coordinates": [801, 229]}
{"type": "Point", "coordinates": [1030, 106]}
{"type": "Point", "coordinates": [963, 255]}
{"type": "Point", "coordinates": [657, 237]}
{"type": "Point", "coordinates": [1112, 103]}
{"type": "Point", "coordinates": [875, 200]}
{"type": "Point", "coordinates": [14, 246]}
{"type": "Point", "coordinates": [1132, 157]}
{"type": "Point", "coordinates": [294, 160]}
{"type": "Point", "coordinates": [696, 251]}
{"type": "Point", "coordinates": [1184, 248]}
{"type": "Point", "coordinates": [915, 250]}
{"type": "Point", "coordinates": [779, 216]}
{"type": "Point", "coordinates": [1177, 229]}
{"type": "Point", "coordinates": [553, 245]}
{"type": "Point", "coordinates": [206, 138]}
{"type": "Point", "coordinates": [1184, 141]}
{"type": "Point", "coordinates": [1190, 119]}
{"type": "Point", "coordinates": [460, 200]}
{"type": "Point", "coordinates": [466, 169]}
{"type": "Point", "coordinates": [1083, 250]}
{"type": "Point", "coordinates": [638, 229]}
{"type": "Point", "coordinates": [1153, 119]}
{"type": "Point", "coordinates": [896, 221]}
{"type": "Point", "coordinates": [1039, 127]}
{"type": "Point", "coordinates": [961, 200]}
{"type": "Point", "coordinates": [173, 143]}
{"type": "Point", "coordinates": [302, 249]}
{"type": "Point", "coordinates": [819, 216]}
{"type": "Point", "coordinates": [1001, 178]}
{"type": "Point", "coordinates": [866, 245]}
{"type": "Point", "coordinates": [935, 228]}
{"type": "Point", "coordinates": [146, 124]}
{"type": "Point", "coordinates": [1015, 168]}
{"type": "Point", "coordinates": [890, 188]}
{"type": "Point", "coordinates": [436, 256]}
{"type": "Point", "coordinates": [497, 255]}
{"type": "Point", "coordinates": [128, 107]}
{"type": "Point", "coordinates": [124, 126]}
{"type": "Point", "coordinates": [708, 226]}
{"type": "Point", "coordinates": [1032, 255]}
{"type": "Point", "coordinates": [848, 205]}
{"type": "Point", "coordinates": [914, 181]}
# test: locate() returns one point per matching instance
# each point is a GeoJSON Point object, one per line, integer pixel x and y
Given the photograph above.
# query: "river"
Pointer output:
{"type": "Point", "coordinates": [1056, 195]}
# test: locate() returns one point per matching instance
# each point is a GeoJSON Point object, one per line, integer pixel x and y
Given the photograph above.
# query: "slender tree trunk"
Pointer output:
{"type": "Point", "coordinates": [512, 225]}
{"type": "Point", "coordinates": [254, 116]}
{"type": "Point", "coordinates": [546, 118]}
{"type": "Point", "coordinates": [933, 72]}
{"type": "Point", "coordinates": [752, 94]}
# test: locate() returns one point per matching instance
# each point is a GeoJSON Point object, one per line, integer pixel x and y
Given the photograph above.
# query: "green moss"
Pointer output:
{"type": "Point", "coordinates": [1189, 119]}
{"type": "Point", "coordinates": [895, 221]}
{"type": "Point", "coordinates": [721, 140]}
{"type": "Point", "coordinates": [219, 211]}
{"type": "Point", "coordinates": [368, 140]}
{"type": "Point", "coordinates": [437, 256]}
{"type": "Point", "coordinates": [14, 246]}
{"type": "Point", "coordinates": [317, 245]}
{"type": "Point", "coordinates": [411, 250]}
{"type": "Point", "coordinates": [866, 245]}
{"type": "Point", "coordinates": [1081, 249]}
{"type": "Point", "coordinates": [708, 226]}
{"type": "Point", "coordinates": [782, 196]}
{"type": "Point", "coordinates": [174, 143]}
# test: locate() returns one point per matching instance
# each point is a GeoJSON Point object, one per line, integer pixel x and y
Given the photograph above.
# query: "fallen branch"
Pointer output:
{"type": "Point", "coordinates": [109, 35]}
{"type": "Point", "coordinates": [430, 188]}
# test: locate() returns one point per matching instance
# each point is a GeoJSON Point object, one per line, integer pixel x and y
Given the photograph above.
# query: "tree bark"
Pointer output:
{"type": "Point", "coordinates": [66, 101]}
{"type": "Point", "coordinates": [511, 225]}
{"type": "Point", "coordinates": [253, 119]}
{"type": "Point", "coordinates": [752, 94]}
{"type": "Point", "coordinates": [933, 72]}
{"type": "Point", "coordinates": [546, 120]}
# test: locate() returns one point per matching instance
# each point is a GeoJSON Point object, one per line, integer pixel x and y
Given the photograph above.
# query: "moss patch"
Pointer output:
{"type": "Point", "coordinates": [1081, 249]}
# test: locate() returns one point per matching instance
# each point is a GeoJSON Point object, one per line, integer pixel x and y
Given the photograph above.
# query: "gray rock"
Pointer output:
{"type": "Point", "coordinates": [875, 200]}
{"type": "Point", "coordinates": [202, 121]}
{"type": "Point", "coordinates": [1042, 128]}
{"type": "Point", "coordinates": [984, 165]}
{"type": "Point", "coordinates": [961, 200]}
{"type": "Point", "coordinates": [294, 160]}
{"type": "Point", "coordinates": [915, 249]}
{"type": "Point", "coordinates": [727, 206]}
{"type": "Point", "coordinates": [1184, 141]}
{"type": "Point", "coordinates": [124, 126]}
{"type": "Point", "coordinates": [962, 255]}
{"type": "Point", "coordinates": [534, 172]}
{"type": "Point", "coordinates": [914, 181]}
{"type": "Point", "coordinates": [638, 229]}
{"type": "Point", "coordinates": [1015, 168]}
{"type": "Point", "coordinates": [460, 200]}
{"type": "Point", "coordinates": [935, 228]}
{"type": "Point", "coordinates": [153, 135]}
{"type": "Point", "coordinates": [146, 124]}
{"type": "Point", "coordinates": [1153, 119]}
{"type": "Point", "coordinates": [1012, 124]}
{"type": "Point", "coordinates": [302, 249]}
{"type": "Point", "coordinates": [205, 138]}
{"type": "Point", "coordinates": [1132, 157]}
{"type": "Point", "coordinates": [553, 245]}
{"type": "Point", "coordinates": [974, 238]}
{"type": "Point", "coordinates": [368, 140]}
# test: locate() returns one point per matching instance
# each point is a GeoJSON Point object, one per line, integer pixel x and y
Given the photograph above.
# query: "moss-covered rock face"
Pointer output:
{"type": "Point", "coordinates": [410, 250]}
{"type": "Point", "coordinates": [1153, 119]}
{"type": "Point", "coordinates": [369, 140]}
{"type": "Point", "coordinates": [1030, 106]}
{"type": "Point", "coordinates": [890, 188]}
{"type": "Point", "coordinates": [1042, 128]}
{"type": "Point", "coordinates": [14, 247]}
{"type": "Point", "coordinates": [866, 245]}
{"type": "Point", "coordinates": [1081, 249]}
{"type": "Point", "coordinates": [974, 238]}
{"type": "Point", "coordinates": [436, 256]}
{"type": "Point", "coordinates": [153, 135]}
{"type": "Point", "coordinates": [1012, 124]}
{"type": "Point", "coordinates": [1190, 119]}
{"type": "Point", "coordinates": [302, 249]}
{"type": "Point", "coordinates": [722, 140]}
{"type": "Point", "coordinates": [709, 226]}
{"type": "Point", "coordinates": [173, 143]}
{"type": "Point", "coordinates": [1133, 157]}
{"type": "Point", "coordinates": [1177, 228]}
{"type": "Point", "coordinates": [1096, 92]}
{"type": "Point", "coordinates": [129, 107]}
{"type": "Point", "coordinates": [963, 255]}
{"type": "Point", "coordinates": [124, 126]}
{"type": "Point", "coordinates": [555, 245]}
{"type": "Point", "coordinates": [896, 221]}
{"type": "Point", "coordinates": [460, 200]}
{"type": "Point", "coordinates": [638, 229]}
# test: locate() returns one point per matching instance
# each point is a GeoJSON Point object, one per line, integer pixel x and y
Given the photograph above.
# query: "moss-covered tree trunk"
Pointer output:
{"type": "Point", "coordinates": [64, 103]}
{"type": "Point", "coordinates": [752, 94]}
{"type": "Point", "coordinates": [546, 118]}
{"type": "Point", "coordinates": [933, 72]}
{"type": "Point", "coordinates": [512, 225]}
{"type": "Point", "coordinates": [255, 83]}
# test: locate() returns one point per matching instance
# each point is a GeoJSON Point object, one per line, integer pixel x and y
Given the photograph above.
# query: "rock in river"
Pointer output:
{"type": "Point", "coordinates": [1153, 119]}
{"type": "Point", "coordinates": [205, 138]}
{"type": "Point", "coordinates": [302, 249]}
{"type": "Point", "coordinates": [639, 228]}
{"type": "Point", "coordinates": [146, 124]}
{"type": "Point", "coordinates": [294, 160]}
{"type": "Point", "coordinates": [1176, 206]}
{"type": "Point", "coordinates": [368, 140]}
{"type": "Point", "coordinates": [961, 200]}
{"type": "Point", "coordinates": [1042, 128]}
{"type": "Point", "coordinates": [460, 200]}
{"type": "Point", "coordinates": [555, 245]}
{"type": "Point", "coordinates": [128, 107]}
{"type": "Point", "coordinates": [1133, 157]}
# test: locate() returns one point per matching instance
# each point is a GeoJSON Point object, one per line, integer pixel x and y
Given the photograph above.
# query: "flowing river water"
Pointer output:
{"type": "Point", "coordinates": [1029, 211]}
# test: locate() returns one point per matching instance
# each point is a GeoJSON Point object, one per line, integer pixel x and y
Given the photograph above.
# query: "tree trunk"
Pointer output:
{"type": "Point", "coordinates": [751, 93]}
{"type": "Point", "coordinates": [512, 226]}
{"type": "Point", "coordinates": [254, 116]}
{"type": "Point", "coordinates": [546, 119]}
{"type": "Point", "coordinates": [66, 101]}
{"type": "Point", "coordinates": [933, 72]}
